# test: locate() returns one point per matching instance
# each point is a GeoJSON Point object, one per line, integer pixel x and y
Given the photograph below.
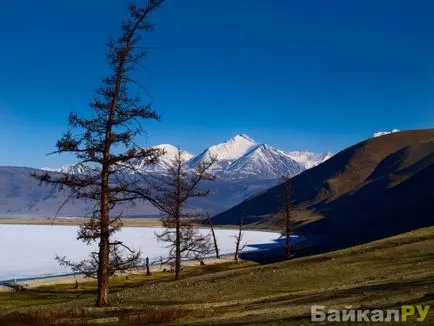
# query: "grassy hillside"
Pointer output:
{"type": "Point", "coordinates": [383, 274]}
{"type": "Point", "coordinates": [374, 189]}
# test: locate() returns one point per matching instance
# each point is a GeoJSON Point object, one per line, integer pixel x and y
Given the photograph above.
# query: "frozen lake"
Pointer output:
{"type": "Point", "coordinates": [28, 251]}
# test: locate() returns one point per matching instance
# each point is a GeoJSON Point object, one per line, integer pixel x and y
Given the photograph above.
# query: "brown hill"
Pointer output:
{"type": "Point", "coordinates": [376, 188]}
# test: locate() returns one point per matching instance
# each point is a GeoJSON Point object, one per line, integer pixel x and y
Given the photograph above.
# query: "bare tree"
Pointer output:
{"type": "Point", "coordinates": [173, 191]}
{"type": "Point", "coordinates": [238, 239]}
{"type": "Point", "coordinates": [287, 201]}
{"type": "Point", "coordinates": [216, 247]}
{"type": "Point", "coordinates": [105, 146]}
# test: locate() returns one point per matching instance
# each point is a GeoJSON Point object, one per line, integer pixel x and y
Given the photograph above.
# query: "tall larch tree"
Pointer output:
{"type": "Point", "coordinates": [287, 206]}
{"type": "Point", "coordinates": [105, 142]}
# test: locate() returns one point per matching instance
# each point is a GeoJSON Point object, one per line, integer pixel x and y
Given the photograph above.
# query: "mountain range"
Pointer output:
{"type": "Point", "coordinates": [374, 189]}
{"type": "Point", "coordinates": [237, 158]}
{"type": "Point", "coordinates": [243, 169]}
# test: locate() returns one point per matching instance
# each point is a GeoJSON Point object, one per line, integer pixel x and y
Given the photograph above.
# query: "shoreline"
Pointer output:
{"type": "Point", "coordinates": [127, 221]}
{"type": "Point", "coordinates": [32, 283]}
{"type": "Point", "coordinates": [77, 221]}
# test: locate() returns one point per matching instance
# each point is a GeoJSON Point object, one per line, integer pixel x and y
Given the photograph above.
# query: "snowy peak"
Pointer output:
{"type": "Point", "coordinates": [69, 169]}
{"type": "Point", "coordinates": [265, 162]}
{"type": "Point", "coordinates": [232, 149]}
{"type": "Point", "coordinates": [226, 152]}
{"type": "Point", "coordinates": [309, 159]}
{"type": "Point", "coordinates": [169, 154]}
{"type": "Point", "coordinates": [171, 151]}
{"type": "Point", "coordinates": [240, 138]}
{"type": "Point", "coordinates": [382, 133]}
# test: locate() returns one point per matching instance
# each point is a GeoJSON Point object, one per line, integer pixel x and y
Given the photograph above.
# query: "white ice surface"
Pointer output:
{"type": "Point", "coordinates": [28, 251]}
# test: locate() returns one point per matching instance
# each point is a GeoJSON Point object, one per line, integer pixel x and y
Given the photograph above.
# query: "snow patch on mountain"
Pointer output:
{"type": "Point", "coordinates": [265, 162]}
{"type": "Point", "coordinates": [382, 133]}
{"type": "Point", "coordinates": [169, 154]}
{"type": "Point", "coordinates": [226, 152]}
{"type": "Point", "coordinates": [309, 159]}
{"type": "Point", "coordinates": [69, 169]}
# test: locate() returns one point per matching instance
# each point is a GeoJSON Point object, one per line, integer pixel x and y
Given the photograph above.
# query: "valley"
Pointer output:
{"type": "Point", "coordinates": [214, 162]}
{"type": "Point", "coordinates": [345, 216]}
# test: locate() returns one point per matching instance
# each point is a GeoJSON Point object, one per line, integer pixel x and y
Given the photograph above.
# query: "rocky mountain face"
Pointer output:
{"type": "Point", "coordinates": [263, 161]}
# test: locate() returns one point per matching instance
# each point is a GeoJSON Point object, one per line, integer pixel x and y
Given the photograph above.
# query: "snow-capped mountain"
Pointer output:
{"type": "Point", "coordinates": [69, 168]}
{"type": "Point", "coordinates": [237, 158]}
{"type": "Point", "coordinates": [309, 159]}
{"type": "Point", "coordinates": [226, 152]}
{"type": "Point", "coordinates": [264, 161]}
{"type": "Point", "coordinates": [165, 160]}
{"type": "Point", "coordinates": [382, 133]}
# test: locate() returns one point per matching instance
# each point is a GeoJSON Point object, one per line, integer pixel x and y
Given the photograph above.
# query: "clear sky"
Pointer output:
{"type": "Point", "coordinates": [317, 75]}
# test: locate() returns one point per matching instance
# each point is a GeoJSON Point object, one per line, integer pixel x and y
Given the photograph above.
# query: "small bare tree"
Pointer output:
{"type": "Point", "coordinates": [214, 238]}
{"type": "Point", "coordinates": [287, 201]}
{"type": "Point", "coordinates": [119, 261]}
{"type": "Point", "coordinates": [173, 191]}
{"type": "Point", "coordinates": [239, 246]}
{"type": "Point", "coordinates": [105, 145]}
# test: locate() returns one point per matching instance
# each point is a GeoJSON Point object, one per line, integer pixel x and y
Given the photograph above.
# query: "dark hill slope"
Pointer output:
{"type": "Point", "coordinates": [379, 187]}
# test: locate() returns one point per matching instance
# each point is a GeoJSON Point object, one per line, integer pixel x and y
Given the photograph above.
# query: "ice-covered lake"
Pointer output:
{"type": "Point", "coordinates": [28, 251]}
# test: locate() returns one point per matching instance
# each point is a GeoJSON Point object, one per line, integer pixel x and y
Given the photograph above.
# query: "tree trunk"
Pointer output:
{"type": "Point", "coordinates": [288, 246]}
{"type": "Point", "coordinates": [178, 222]}
{"type": "Point", "coordinates": [178, 248]}
{"type": "Point", "coordinates": [103, 286]}
{"type": "Point", "coordinates": [288, 222]}
{"type": "Point", "coordinates": [104, 244]}
{"type": "Point", "coordinates": [217, 254]}
{"type": "Point", "coordinates": [237, 248]}
{"type": "Point", "coordinates": [104, 250]}
{"type": "Point", "coordinates": [237, 251]}
{"type": "Point", "coordinates": [287, 233]}
{"type": "Point", "coordinates": [237, 258]}
{"type": "Point", "coordinates": [148, 271]}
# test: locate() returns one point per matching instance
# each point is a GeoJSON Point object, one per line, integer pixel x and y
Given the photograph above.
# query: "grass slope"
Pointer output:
{"type": "Point", "coordinates": [382, 274]}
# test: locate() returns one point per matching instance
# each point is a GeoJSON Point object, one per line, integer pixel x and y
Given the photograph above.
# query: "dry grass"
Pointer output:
{"type": "Point", "coordinates": [47, 317]}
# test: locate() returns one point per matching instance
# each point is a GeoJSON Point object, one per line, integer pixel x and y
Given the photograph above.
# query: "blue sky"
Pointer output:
{"type": "Point", "coordinates": [317, 75]}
